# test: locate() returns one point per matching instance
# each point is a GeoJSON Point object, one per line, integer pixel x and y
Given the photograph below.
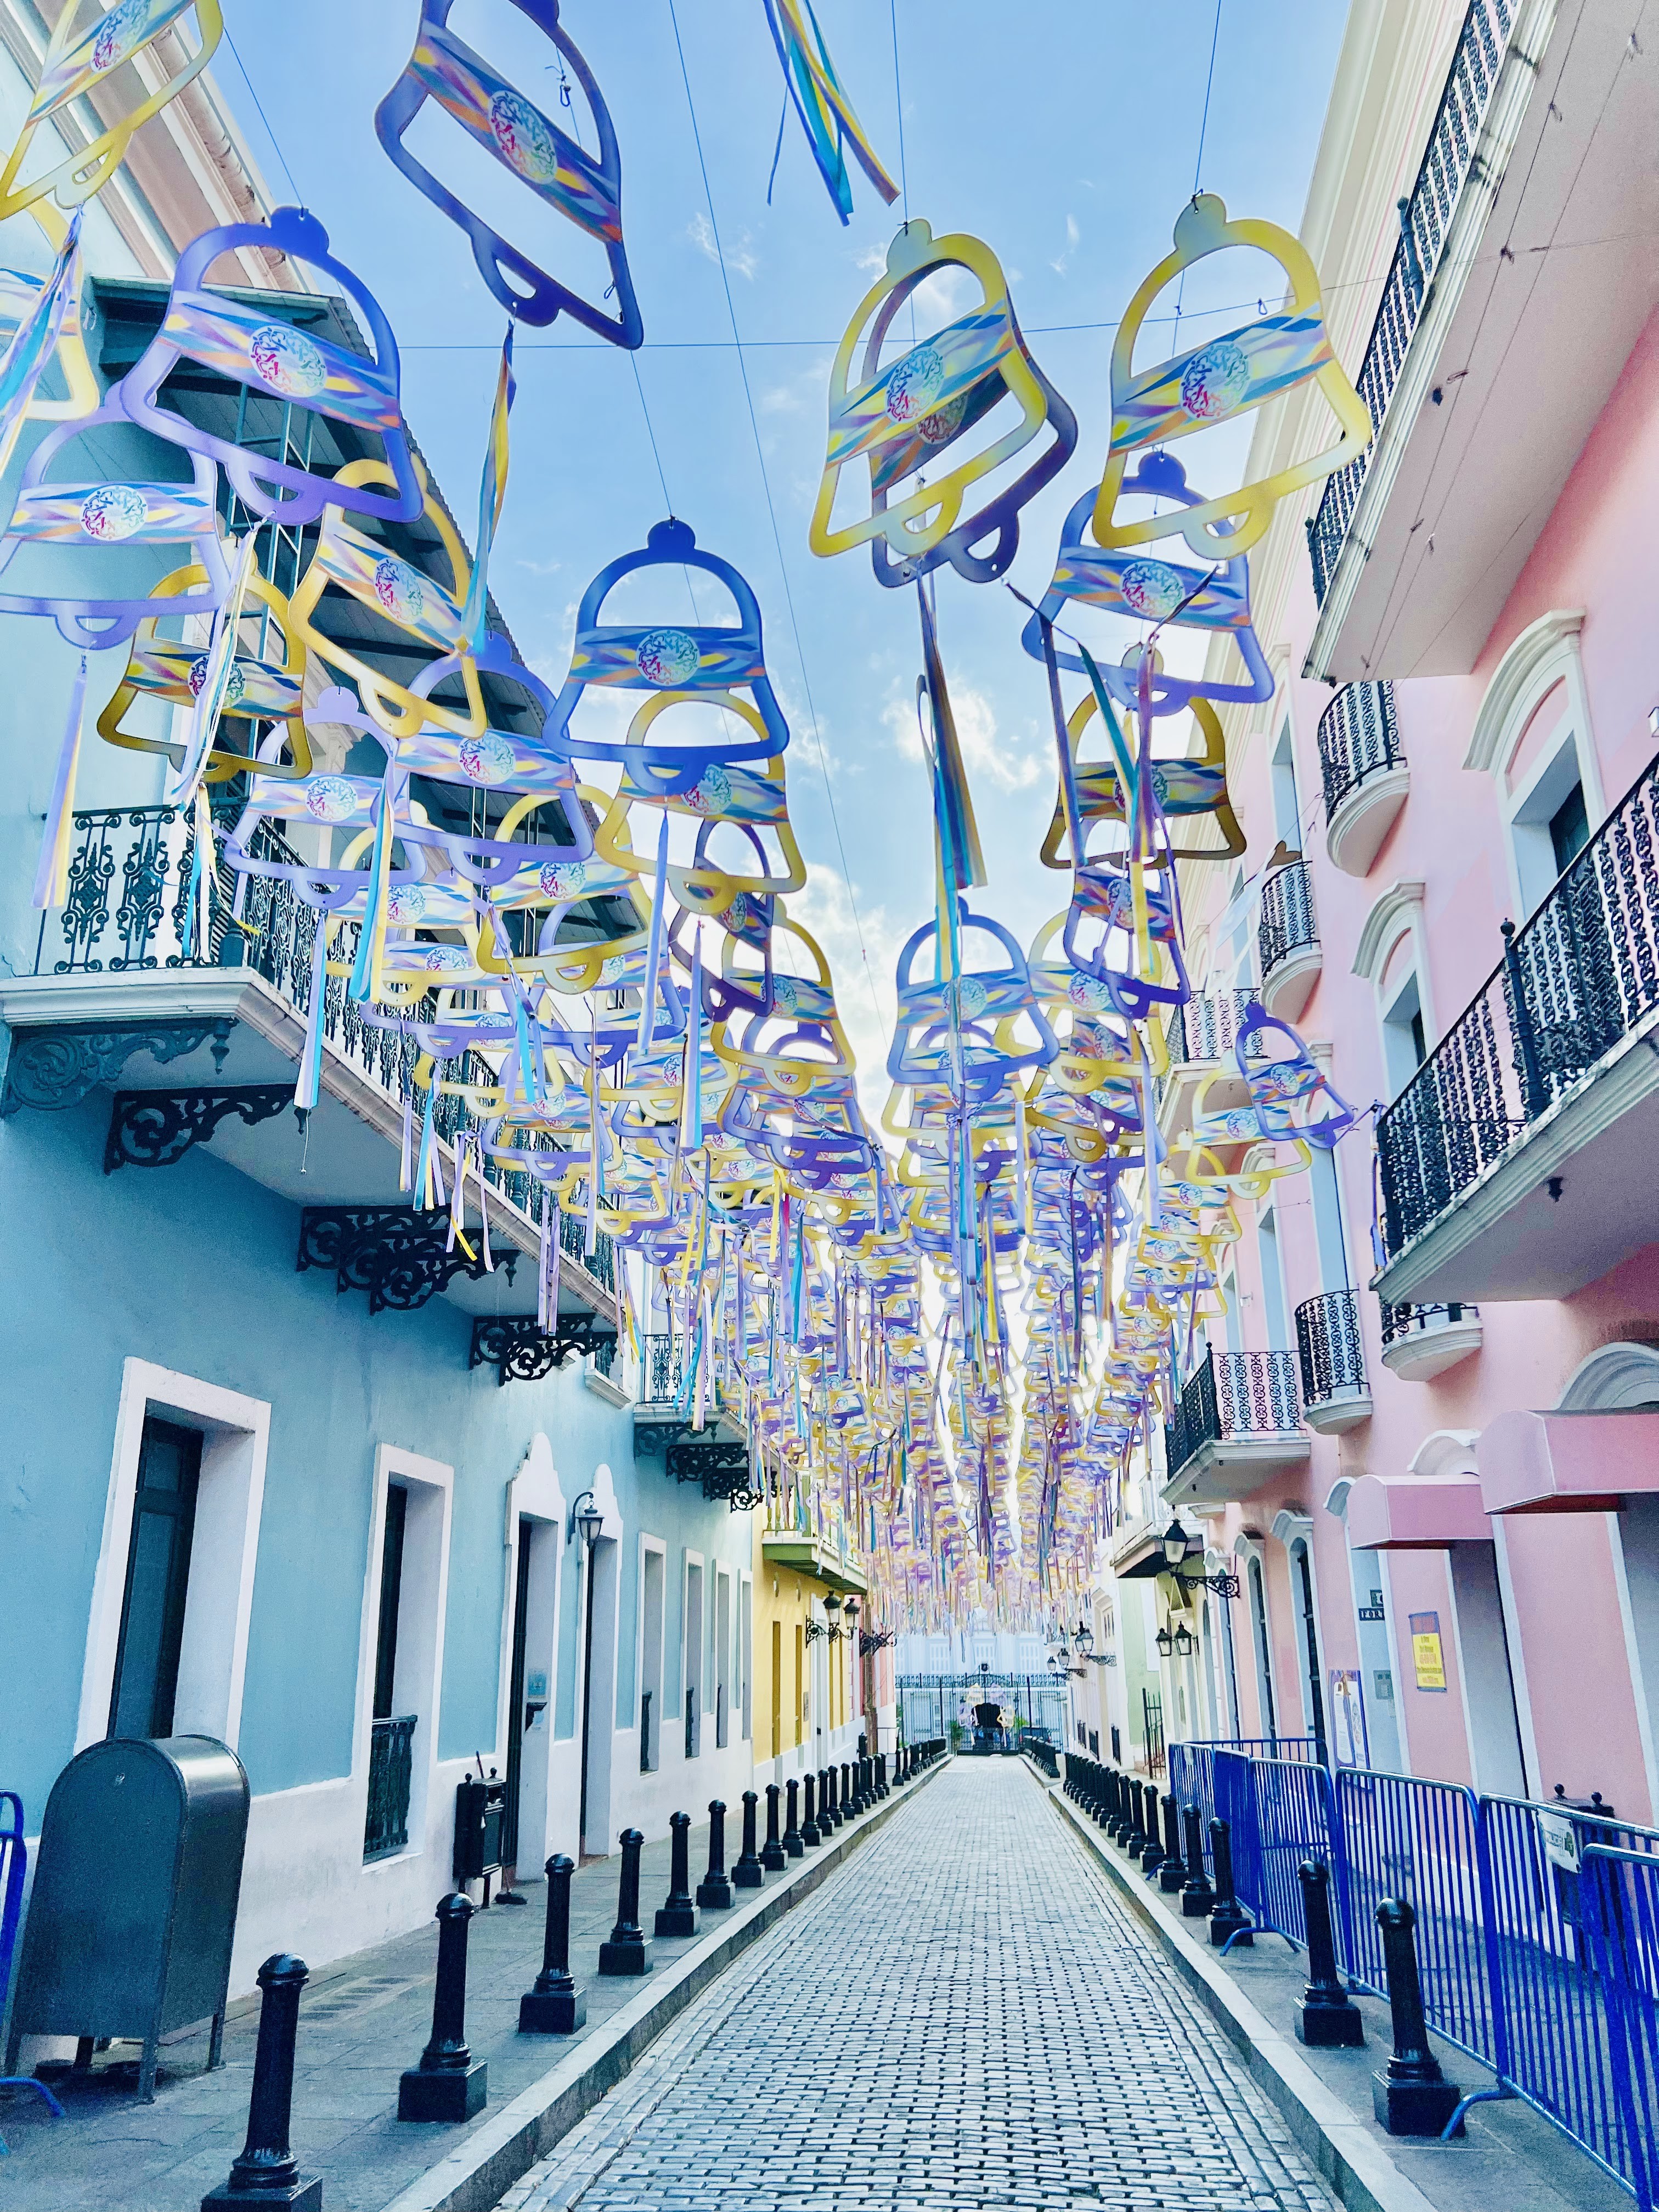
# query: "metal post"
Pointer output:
{"type": "Point", "coordinates": [267, 2172]}
{"type": "Point", "coordinates": [830, 1814]}
{"type": "Point", "coordinates": [749, 1873]}
{"type": "Point", "coordinates": [846, 1797]}
{"type": "Point", "coordinates": [715, 1888]}
{"type": "Point", "coordinates": [1197, 1899]}
{"type": "Point", "coordinates": [627, 1951]}
{"type": "Point", "coordinates": [1328, 2016]}
{"type": "Point", "coordinates": [810, 1835]}
{"type": "Point", "coordinates": [1535, 1097]}
{"type": "Point", "coordinates": [1134, 1843]}
{"type": "Point", "coordinates": [1413, 2098]}
{"type": "Point", "coordinates": [795, 1843]}
{"type": "Point", "coordinates": [773, 1856]}
{"type": "Point", "coordinates": [1151, 1851]}
{"type": "Point", "coordinates": [679, 1916]}
{"type": "Point", "coordinates": [449, 2083]}
{"type": "Point", "coordinates": [553, 2005]}
{"type": "Point", "coordinates": [1171, 1875]}
{"type": "Point", "coordinates": [881, 1774]}
{"type": "Point", "coordinates": [1229, 1923]}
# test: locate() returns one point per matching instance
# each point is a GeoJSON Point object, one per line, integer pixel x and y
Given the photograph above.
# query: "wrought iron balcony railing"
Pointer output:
{"type": "Point", "coordinates": [1358, 739]}
{"type": "Point", "coordinates": [1329, 1348]}
{"type": "Point", "coordinates": [391, 1767]}
{"type": "Point", "coordinates": [1234, 1395]}
{"type": "Point", "coordinates": [1206, 1027]}
{"type": "Point", "coordinates": [1287, 922]}
{"type": "Point", "coordinates": [1401, 1323]}
{"type": "Point", "coordinates": [1573, 983]}
{"type": "Point", "coordinates": [1425, 219]}
{"type": "Point", "coordinates": [128, 895]}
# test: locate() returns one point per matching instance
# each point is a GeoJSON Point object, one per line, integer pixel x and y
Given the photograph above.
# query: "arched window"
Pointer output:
{"type": "Point", "coordinates": [1264, 1665]}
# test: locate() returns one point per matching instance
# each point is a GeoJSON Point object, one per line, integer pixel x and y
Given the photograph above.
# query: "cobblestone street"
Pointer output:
{"type": "Point", "coordinates": [963, 2018]}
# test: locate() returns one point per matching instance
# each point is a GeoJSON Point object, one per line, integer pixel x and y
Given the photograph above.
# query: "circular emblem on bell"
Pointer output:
{"type": "Point", "coordinates": [405, 903]}
{"type": "Point", "coordinates": [737, 912]}
{"type": "Point", "coordinates": [711, 793]}
{"type": "Point", "coordinates": [914, 385]}
{"type": "Point", "coordinates": [400, 589]}
{"type": "Point", "coordinates": [441, 959]}
{"type": "Point", "coordinates": [1151, 588]}
{"type": "Point", "coordinates": [1085, 991]}
{"type": "Point", "coordinates": [942, 425]}
{"type": "Point", "coordinates": [522, 138]}
{"type": "Point", "coordinates": [970, 995]}
{"type": "Point", "coordinates": [487, 758]}
{"type": "Point", "coordinates": [668, 657]}
{"type": "Point", "coordinates": [564, 879]}
{"type": "Point", "coordinates": [235, 681]}
{"type": "Point", "coordinates": [1215, 380]}
{"type": "Point", "coordinates": [287, 360]}
{"type": "Point", "coordinates": [118, 34]}
{"type": "Point", "coordinates": [331, 799]}
{"type": "Point", "coordinates": [784, 993]}
{"type": "Point", "coordinates": [113, 512]}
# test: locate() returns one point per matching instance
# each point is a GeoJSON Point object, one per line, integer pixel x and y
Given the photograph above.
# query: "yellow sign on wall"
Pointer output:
{"type": "Point", "coordinates": [1427, 1656]}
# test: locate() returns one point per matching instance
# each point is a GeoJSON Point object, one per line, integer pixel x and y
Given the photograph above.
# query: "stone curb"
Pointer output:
{"type": "Point", "coordinates": [474, 2176]}
{"type": "Point", "coordinates": [1346, 2151]}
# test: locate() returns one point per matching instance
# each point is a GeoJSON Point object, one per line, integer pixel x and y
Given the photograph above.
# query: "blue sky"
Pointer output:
{"type": "Point", "coordinates": [1066, 137]}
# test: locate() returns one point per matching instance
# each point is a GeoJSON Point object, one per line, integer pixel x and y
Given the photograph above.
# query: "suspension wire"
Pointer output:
{"type": "Point", "coordinates": [772, 512]}
{"type": "Point", "coordinates": [275, 142]}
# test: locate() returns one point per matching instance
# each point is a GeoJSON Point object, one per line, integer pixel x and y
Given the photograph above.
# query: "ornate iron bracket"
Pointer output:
{"type": "Point", "coordinates": [51, 1068]}
{"type": "Point", "coordinates": [721, 1469]}
{"type": "Point", "coordinates": [1227, 1586]}
{"type": "Point", "coordinates": [398, 1256]}
{"type": "Point", "coordinates": [875, 1639]}
{"type": "Point", "coordinates": [514, 1344]}
{"type": "Point", "coordinates": [156, 1128]}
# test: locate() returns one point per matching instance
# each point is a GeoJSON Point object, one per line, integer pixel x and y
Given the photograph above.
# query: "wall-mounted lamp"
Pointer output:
{"type": "Point", "coordinates": [586, 1515]}
{"type": "Point", "coordinates": [1164, 1641]}
{"type": "Point", "coordinates": [1185, 1641]}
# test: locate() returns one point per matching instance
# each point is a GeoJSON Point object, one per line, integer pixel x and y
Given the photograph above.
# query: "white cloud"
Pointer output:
{"type": "Point", "coordinates": [1062, 262]}
{"type": "Point", "coordinates": [1000, 758]}
{"type": "Point", "coordinates": [872, 261]}
{"type": "Point", "coordinates": [740, 259]}
{"type": "Point", "coordinates": [861, 943]}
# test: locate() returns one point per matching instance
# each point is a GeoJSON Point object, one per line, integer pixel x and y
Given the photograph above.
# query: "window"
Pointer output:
{"type": "Point", "coordinates": [799, 1707]}
{"type": "Point", "coordinates": [158, 1576]}
{"type": "Point", "coordinates": [1328, 1220]}
{"type": "Point", "coordinates": [1405, 1044]}
{"type": "Point", "coordinates": [777, 1691]}
{"type": "Point", "coordinates": [745, 1654]}
{"type": "Point", "coordinates": [651, 1713]}
{"type": "Point", "coordinates": [392, 1591]}
{"type": "Point", "coordinates": [691, 1656]}
{"type": "Point", "coordinates": [1570, 828]}
{"type": "Point", "coordinates": [1263, 1652]}
{"type": "Point", "coordinates": [722, 1657]}
{"type": "Point", "coordinates": [1274, 1316]}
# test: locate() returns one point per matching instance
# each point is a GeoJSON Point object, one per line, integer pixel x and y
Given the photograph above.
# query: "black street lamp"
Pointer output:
{"type": "Point", "coordinates": [1165, 1642]}
{"type": "Point", "coordinates": [1185, 1641]}
{"type": "Point", "coordinates": [1179, 1545]}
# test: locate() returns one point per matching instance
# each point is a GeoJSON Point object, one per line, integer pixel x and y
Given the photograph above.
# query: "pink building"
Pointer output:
{"type": "Point", "coordinates": [1431, 1456]}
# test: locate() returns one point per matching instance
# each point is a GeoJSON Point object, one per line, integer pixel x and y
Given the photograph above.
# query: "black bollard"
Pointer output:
{"type": "Point", "coordinates": [449, 2083]}
{"type": "Point", "coordinates": [829, 1813]}
{"type": "Point", "coordinates": [749, 1873]}
{"type": "Point", "coordinates": [715, 1887]}
{"type": "Point", "coordinates": [1134, 1843]}
{"type": "Point", "coordinates": [1327, 2017]}
{"type": "Point", "coordinates": [1118, 1826]}
{"type": "Point", "coordinates": [1229, 1919]}
{"type": "Point", "coordinates": [553, 2005]}
{"type": "Point", "coordinates": [679, 1916]}
{"type": "Point", "coordinates": [773, 1858]}
{"type": "Point", "coordinates": [627, 1952]}
{"type": "Point", "coordinates": [811, 1834]}
{"type": "Point", "coordinates": [795, 1843]}
{"type": "Point", "coordinates": [267, 2172]}
{"type": "Point", "coordinates": [1413, 2098]}
{"type": "Point", "coordinates": [847, 1798]}
{"type": "Point", "coordinates": [881, 1774]}
{"type": "Point", "coordinates": [1151, 1851]}
{"type": "Point", "coordinates": [1197, 1899]}
{"type": "Point", "coordinates": [1171, 1876]}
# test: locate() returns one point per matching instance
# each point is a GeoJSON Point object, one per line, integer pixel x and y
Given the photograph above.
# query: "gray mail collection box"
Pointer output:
{"type": "Point", "coordinates": [134, 1905]}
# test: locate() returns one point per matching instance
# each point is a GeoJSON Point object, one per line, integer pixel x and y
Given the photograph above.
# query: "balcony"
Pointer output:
{"type": "Point", "coordinates": [717, 1456]}
{"type": "Point", "coordinates": [1517, 1163]}
{"type": "Point", "coordinates": [1237, 1425]}
{"type": "Point", "coordinates": [1200, 1038]}
{"type": "Point", "coordinates": [1419, 1342]}
{"type": "Point", "coordinates": [1288, 939]}
{"type": "Point", "coordinates": [1334, 1392]}
{"type": "Point", "coordinates": [809, 1537]}
{"type": "Point", "coordinates": [1364, 772]}
{"type": "Point", "coordinates": [1512, 304]}
{"type": "Point", "coordinates": [200, 1046]}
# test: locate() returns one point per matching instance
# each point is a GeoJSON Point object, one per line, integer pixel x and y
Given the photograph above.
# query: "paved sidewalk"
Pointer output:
{"type": "Point", "coordinates": [360, 2024]}
{"type": "Point", "coordinates": [964, 2017]}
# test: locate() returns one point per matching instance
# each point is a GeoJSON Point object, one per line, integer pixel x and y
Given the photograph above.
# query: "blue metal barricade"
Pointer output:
{"type": "Point", "coordinates": [14, 1863]}
{"type": "Point", "coordinates": [1619, 1890]}
{"type": "Point", "coordinates": [1293, 1818]}
{"type": "Point", "coordinates": [1235, 1804]}
{"type": "Point", "coordinates": [1420, 1842]}
{"type": "Point", "coordinates": [1192, 1779]}
{"type": "Point", "coordinates": [1546, 1990]}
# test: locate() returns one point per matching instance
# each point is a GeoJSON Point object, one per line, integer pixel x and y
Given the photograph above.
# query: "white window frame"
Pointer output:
{"type": "Point", "coordinates": [746, 1651]}
{"type": "Point", "coordinates": [693, 1645]}
{"type": "Point", "coordinates": [1544, 653]}
{"type": "Point", "coordinates": [653, 1547]}
{"type": "Point", "coordinates": [235, 1433]}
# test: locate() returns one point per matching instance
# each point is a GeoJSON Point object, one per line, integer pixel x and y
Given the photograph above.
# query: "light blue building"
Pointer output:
{"type": "Point", "coordinates": [263, 1477]}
